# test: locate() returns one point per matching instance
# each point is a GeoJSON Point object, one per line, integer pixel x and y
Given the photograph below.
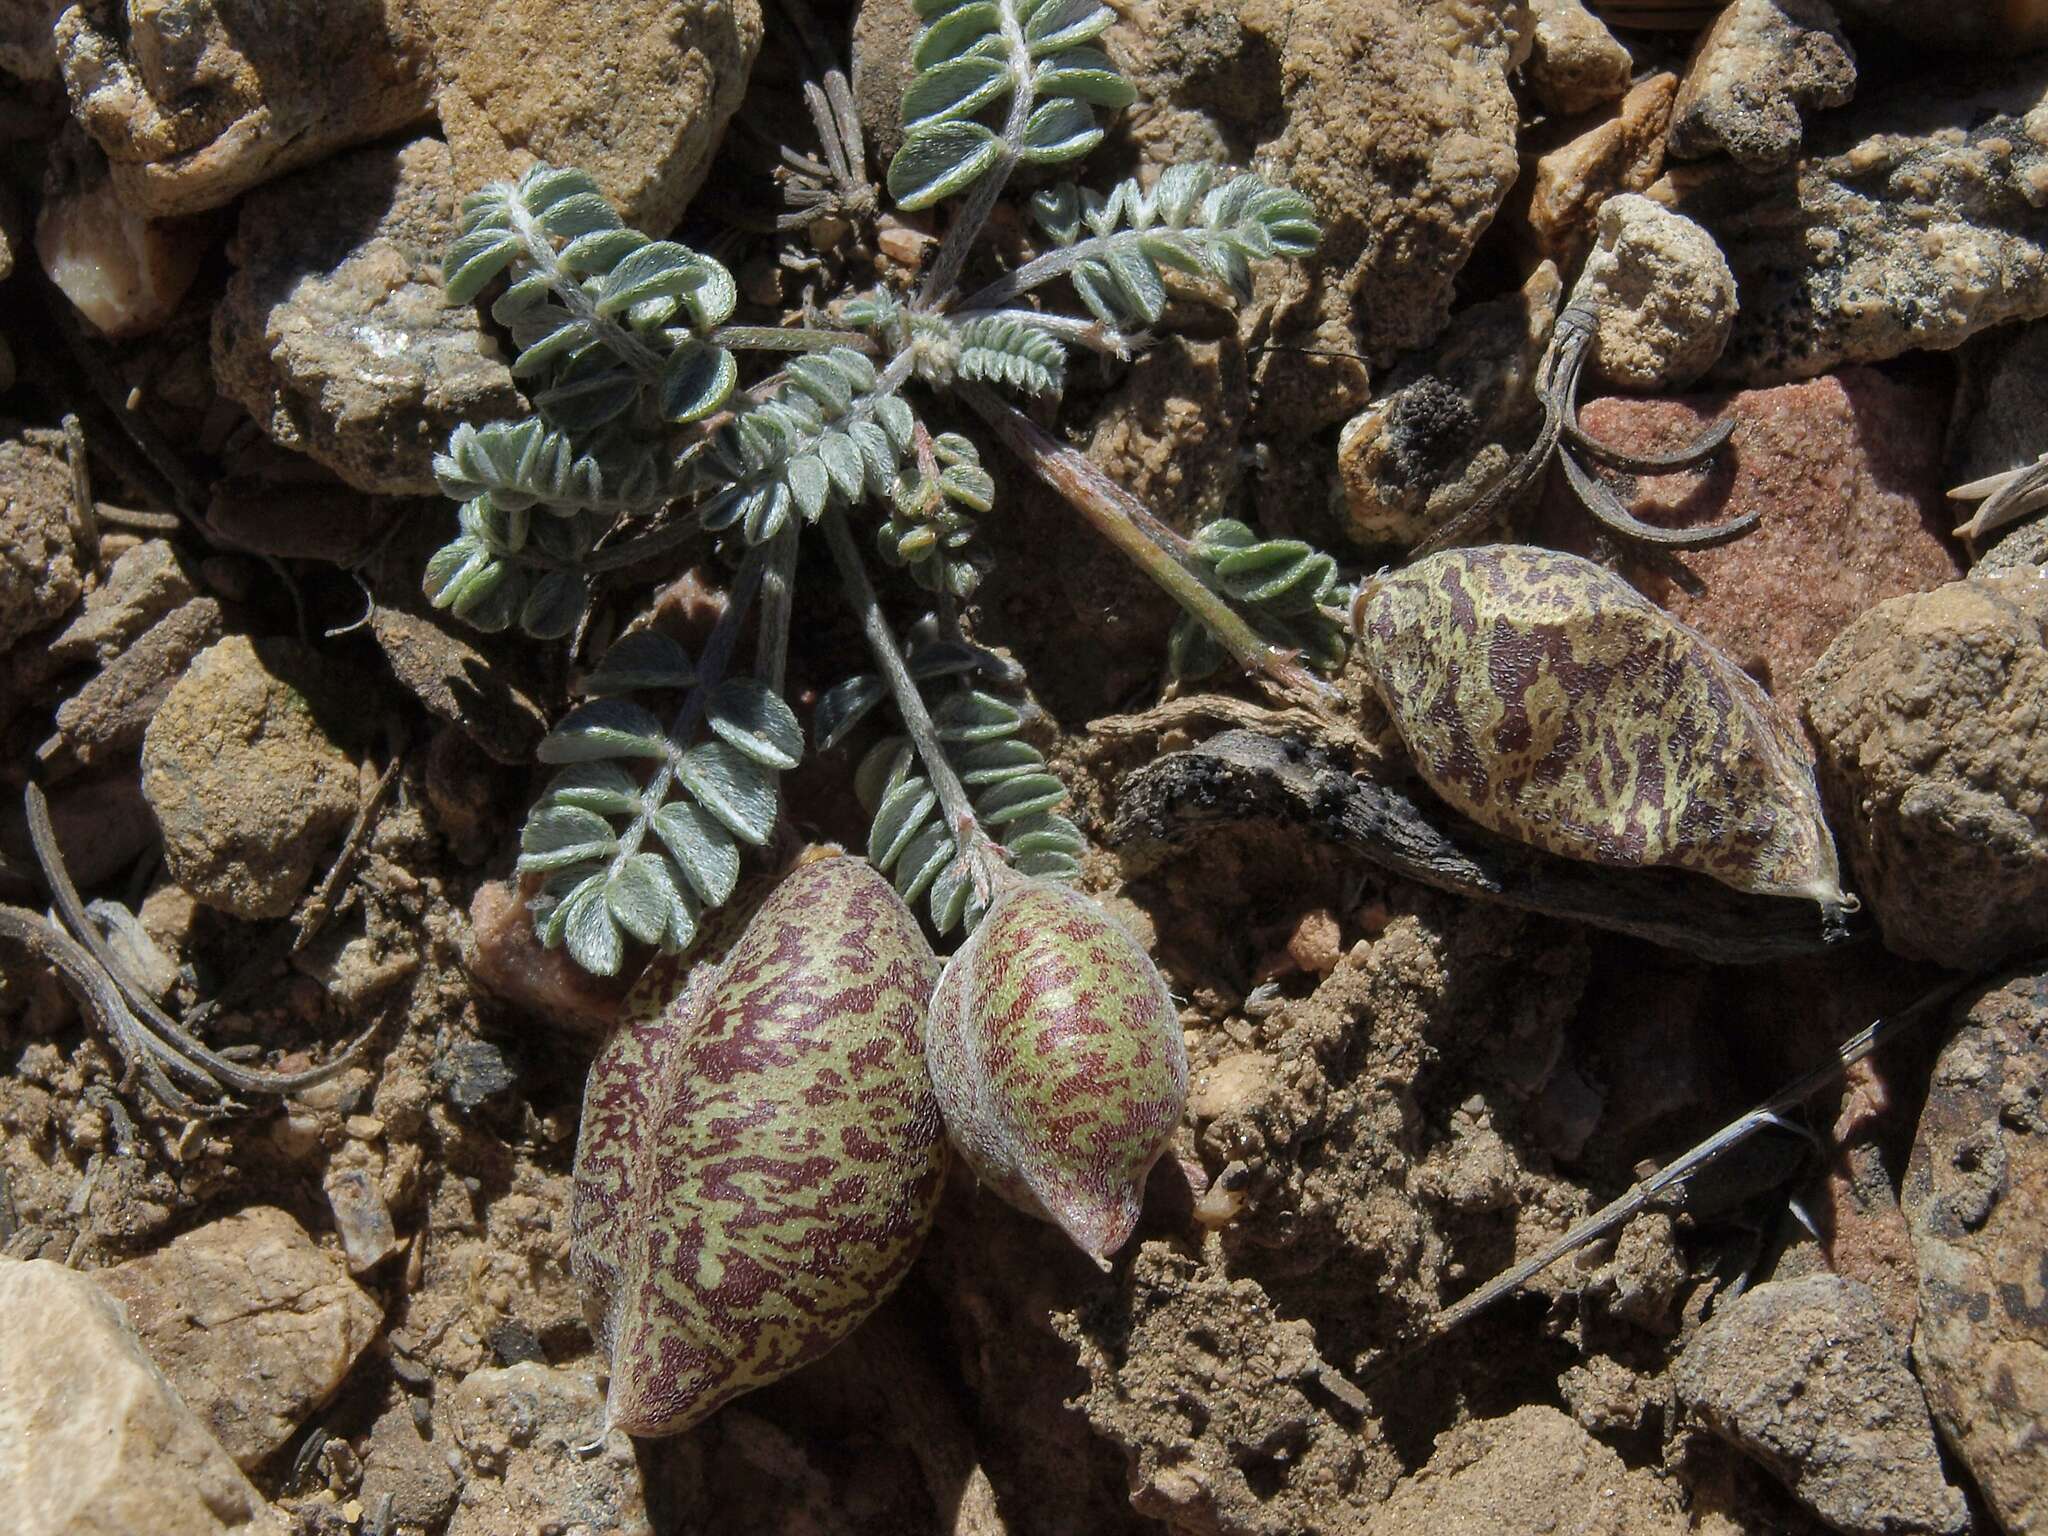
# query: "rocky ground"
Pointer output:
{"type": "Point", "coordinates": [288, 790]}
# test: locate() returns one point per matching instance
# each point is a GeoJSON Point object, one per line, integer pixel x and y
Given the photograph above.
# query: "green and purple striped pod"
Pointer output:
{"type": "Point", "coordinates": [761, 1152]}
{"type": "Point", "coordinates": [1550, 701]}
{"type": "Point", "coordinates": [1057, 1055]}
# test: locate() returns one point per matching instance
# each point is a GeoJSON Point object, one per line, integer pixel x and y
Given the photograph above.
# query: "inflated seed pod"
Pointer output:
{"type": "Point", "coordinates": [761, 1155]}
{"type": "Point", "coordinates": [1058, 1059]}
{"type": "Point", "coordinates": [1551, 702]}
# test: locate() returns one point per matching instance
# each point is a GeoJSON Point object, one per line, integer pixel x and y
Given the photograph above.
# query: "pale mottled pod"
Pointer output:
{"type": "Point", "coordinates": [1057, 1055]}
{"type": "Point", "coordinates": [1551, 702]}
{"type": "Point", "coordinates": [761, 1154]}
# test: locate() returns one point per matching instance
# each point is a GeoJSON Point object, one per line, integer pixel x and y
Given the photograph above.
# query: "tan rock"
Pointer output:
{"type": "Point", "coordinates": [1804, 1376]}
{"type": "Point", "coordinates": [1663, 292]}
{"type": "Point", "coordinates": [43, 560]}
{"type": "Point", "coordinates": [1443, 434]}
{"type": "Point", "coordinates": [1934, 768]}
{"type": "Point", "coordinates": [1574, 61]}
{"type": "Point", "coordinates": [636, 92]}
{"type": "Point", "coordinates": [1754, 74]}
{"type": "Point", "coordinates": [109, 714]}
{"type": "Point", "coordinates": [254, 1324]}
{"type": "Point", "coordinates": [1534, 1470]}
{"type": "Point", "coordinates": [1976, 1196]}
{"type": "Point", "coordinates": [93, 1440]}
{"type": "Point", "coordinates": [1622, 153]}
{"type": "Point", "coordinates": [520, 1430]}
{"type": "Point", "coordinates": [196, 101]}
{"type": "Point", "coordinates": [245, 781]}
{"type": "Point", "coordinates": [125, 273]}
{"type": "Point", "coordinates": [333, 331]}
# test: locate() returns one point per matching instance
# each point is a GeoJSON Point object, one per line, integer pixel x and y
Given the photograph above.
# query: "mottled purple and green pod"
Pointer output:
{"type": "Point", "coordinates": [1551, 702]}
{"type": "Point", "coordinates": [1058, 1059]}
{"type": "Point", "coordinates": [761, 1152]}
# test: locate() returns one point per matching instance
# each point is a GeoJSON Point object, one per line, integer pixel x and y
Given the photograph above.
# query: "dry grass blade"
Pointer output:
{"type": "Point", "coordinates": [150, 1041]}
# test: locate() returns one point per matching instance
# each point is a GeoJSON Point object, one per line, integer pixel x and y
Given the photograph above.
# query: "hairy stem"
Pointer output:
{"type": "Point", "coordinates": [616, 339]}
{"type": "Point", "coordinates": [778, 605]}
{"type": "Point", "coordinates": [1156, 549]}
{"type": "Point", "coordinates": [779, 338]}
{"type": "Point", "coordinates": [1056, 263]}
{"type": "Point", "coordinates": [711, 668]}
{"type": "Point", "coordinates": [973, 843]}
{"type": "Point", "coordinates": [966, 228]}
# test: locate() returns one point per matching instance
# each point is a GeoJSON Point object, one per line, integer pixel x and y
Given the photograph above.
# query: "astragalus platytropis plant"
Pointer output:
{"type": "Point", "coordinates": [1056, 1051]}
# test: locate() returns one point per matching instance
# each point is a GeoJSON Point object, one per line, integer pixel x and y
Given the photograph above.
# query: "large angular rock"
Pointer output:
{"type": "Point", "coordinates": [1976, 1198]}
{"type": "Point", "coordinates": [1845, 471]}
{"type": "Point", "coordinates": [1574, 61]}
{"type": "Point", "coordinates": [93, 1440]}
{"type": "Point", "coordinates": [1755, 73]}
{"type": "Point", "coordinates": [636, 92]}
{"type": "Point", "coordinates": [1911, 222]}
{"type": "Point", "coordinates": [1623, 152]}
{"type": "Point", "coordinates": [43, 561]}
{"type": "Point", "coordinates": [1926, 716]}
{"type": "Point", "coordinates": [334, 332]}
{"type": "Point", "coordinates": [1804, 1376]}
{"type": "Point", "coordinates": [255, 1325]}
{"type": "Point", "coordinates": [196, 101]}
{"type": "Point", "coordinates": [246, 783]}
{"type": "Point", "coordinates": [1534, 1470]}
{"type": "Point", "coordinates": [1395, 120]}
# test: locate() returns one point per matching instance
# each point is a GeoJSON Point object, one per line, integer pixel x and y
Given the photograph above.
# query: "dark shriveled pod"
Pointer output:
{"type": "Point", "coordinates": [761, 1154]}
{"type": "Point", "coordinates": [1057, 1055]}
{"type": "Point", "coordinates": [1551, 702]}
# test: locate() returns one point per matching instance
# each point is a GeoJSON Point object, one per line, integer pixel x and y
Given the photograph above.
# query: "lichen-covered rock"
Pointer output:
{"type": "Point", "coordinates": [1574, 61]}
{"type": "Point", "coordinates": [1534, 1470]}
{"type": "Point", "coordinates": [1925, 714]}
{"type": "Point", "coordinates": [1440, 438]}
{"type": "Point", "coordinates": [246, 783]}
{"type": "Point", "coordinates": [1664, 294]}
{"type": "Point", "coordinates": [523, 1432]}
{"type": "Point", "coordinates": [255, 1326]}
{"type": "Point", "coordinates": [1621, 153]}
{"type": "Point", "coordinates": [43, 560]}
{"type": "Point", "coordinates": [1843, 474]}
{"type": "Point", "coordinates": [93, 1440]}
{"type": "Point", "coordinates": [1976, 1197]}
{"type": "Point", "coordinates": [1056, 1053]}
{"type": "Point", "coordinates": [196, 101]}
{"type": "Point", "coordinates": [761, 1153]}
{"type": "Point", "coordinates": [1551, 702]}
{"type": "Point", "coordinates": [1804, 1376]}
{"type": "Point", "coordinates": [1754, 75]}
{"type": "Point", "coordinates": [634, 92]}
{"type": "Point", "coordinates": [334, 332]}
{"type": "Point", "coordinates": [1912, 221]}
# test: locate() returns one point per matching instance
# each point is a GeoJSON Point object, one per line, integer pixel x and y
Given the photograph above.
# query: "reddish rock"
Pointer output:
{"type": "Point", "coordinates": [506, 957]}
{"type": "Point", "coordinates": [1846, 471]}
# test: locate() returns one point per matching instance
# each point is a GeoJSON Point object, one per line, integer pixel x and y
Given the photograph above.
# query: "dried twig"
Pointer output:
{"type": "Point", "coordinates": [2003, 498]}
{"type": "Point", "coordinates": [1562, 437]}
{"type": "Point", "coordinates": [152, 1044]}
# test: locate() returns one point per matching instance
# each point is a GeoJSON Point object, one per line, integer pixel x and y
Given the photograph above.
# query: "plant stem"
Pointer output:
{"type": "Point", "coordinates": [973, 843]}
{"type": "Point", "coordinates": [965, 228]}
{"type": "Point", "coordinates": [778, 604]}
{"type": "Point", "coordinates": [616, 339]}
{"type": "Point", "coordinates": [1041, 270]}
{"type": "Point", "coordinates": [781, 338]}
{"type": "Point", "coordinates": [1156, 549]}
{"type": "Point", "coordinates": [711, 667]}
